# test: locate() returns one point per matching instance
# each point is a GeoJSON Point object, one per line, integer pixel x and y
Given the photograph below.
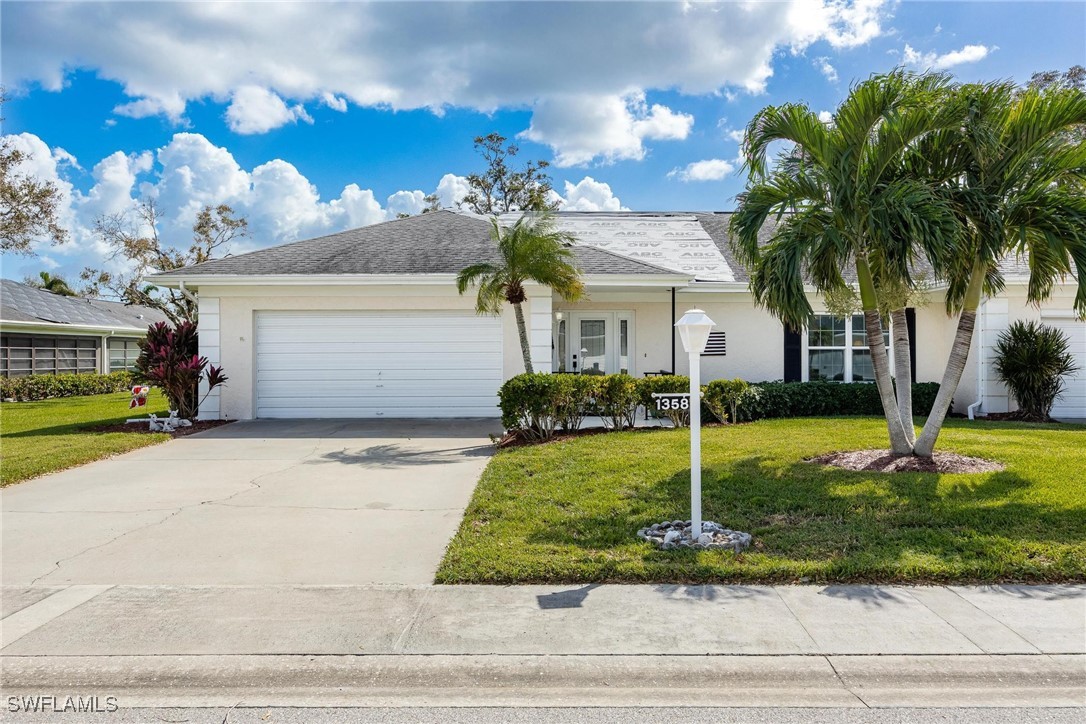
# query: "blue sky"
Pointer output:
{"type": "Point", "coordinates": [308, 118]}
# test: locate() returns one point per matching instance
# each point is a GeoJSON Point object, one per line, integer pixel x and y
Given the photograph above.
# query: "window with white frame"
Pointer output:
{"type": "Point", "coordinates": [837, 349]}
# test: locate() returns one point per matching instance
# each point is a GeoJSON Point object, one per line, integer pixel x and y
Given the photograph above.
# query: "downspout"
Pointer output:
{"type": "Point", "coordinates": [189, 295]}
{"type": "Point", "coordinates": [673, 320]}
{"type": "Point", "coordinates": [980, 362]}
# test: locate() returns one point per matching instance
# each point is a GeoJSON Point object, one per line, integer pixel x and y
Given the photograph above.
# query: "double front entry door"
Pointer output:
{"type": "Point", "coordinates": [594, 342]}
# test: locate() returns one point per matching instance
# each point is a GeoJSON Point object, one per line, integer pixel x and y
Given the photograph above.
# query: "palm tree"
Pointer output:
{"type": "Point", "coordinates": [531, 250]}
{"type": "Point", "coordinates": [1016, 176]}
{"type": "Point", "coordinates": [54, 284]}
{"type": "Point", "coordinates": [841, 201]}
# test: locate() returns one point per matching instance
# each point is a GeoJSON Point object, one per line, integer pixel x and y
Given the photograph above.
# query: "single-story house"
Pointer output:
{"type": "Point", "coordinates": [368, 322]}
{"type": "Point", "coordinates": [43, 333]}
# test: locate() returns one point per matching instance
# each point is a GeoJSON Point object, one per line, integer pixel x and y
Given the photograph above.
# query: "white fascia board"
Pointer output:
{"type": "Point", "coordinates": [59, 328]}
{"type": "Point", "coordinates": [718, 288]}
{"type": "Point", "coordinates": [195, 281]}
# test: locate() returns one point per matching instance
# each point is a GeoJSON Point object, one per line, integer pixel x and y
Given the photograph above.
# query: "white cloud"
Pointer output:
{"type": "Point", "coordinates": [451, 189]}
{"type": "Point", "coordinates": [190, 172]}
{"type": "Point", "coordinates": [935, 61]}
{"type": "Point", "coordinates": [824, 67]}
{"type": "Point", "coordinates": [825, 116]}
{"type": "Point", "coordinates": [257, 110]}
{"type": "Point", "coordinates": [582, 128]}
{"type": "Point", "coordinates": [334, 102]}
{"type": "Point", "coordinates": [711, 169]}
{"type": "Point", "coordinates": [588, 194]}
{"type": "Point", "coordinates": [736, 134]}
{"type": "Point", "coordinates": [433, 56]}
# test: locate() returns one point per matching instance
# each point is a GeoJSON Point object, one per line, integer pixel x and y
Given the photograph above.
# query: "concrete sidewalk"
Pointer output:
{"type": "Point", "coordinates": [546, 645]}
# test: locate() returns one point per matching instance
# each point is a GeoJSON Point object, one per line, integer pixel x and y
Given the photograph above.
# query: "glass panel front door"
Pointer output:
{"type": "Point", "coordinates": [593, 358]}
{"type": "Point", "coordinates": [600, 343]}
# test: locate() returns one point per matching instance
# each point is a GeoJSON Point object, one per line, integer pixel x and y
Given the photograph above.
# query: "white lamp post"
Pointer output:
{"type": "Point", "coordinates": [694, 328]}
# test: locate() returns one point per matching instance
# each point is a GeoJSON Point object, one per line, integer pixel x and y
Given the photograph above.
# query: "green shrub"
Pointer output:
{"type": "Point", "coordinates": [817, 399]}
{"type": "Point", "coordinates": [43, 387]}
{"type": "Point", "coordinates": [530, 404]}
{"type": "Point", "coordinates": [576, 399]}
{"type": "Point", "coordinates": [617, 400]}
{"type": "Point", "coordinates": [1032, 361]}
{"type": "Point", "coordinates": [664, 384]}
{"type": "Point", "coordinates": [726, 399]}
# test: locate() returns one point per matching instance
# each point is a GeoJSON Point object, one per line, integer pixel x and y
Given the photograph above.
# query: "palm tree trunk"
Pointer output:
{"type": "Point", "coordinates": [903, 373]}
{"type": "Point", "coordinates": [880, 361]}
{"type": "Point", "coordinates": [955, 365]}
{"type": "Point", "coordinates": [525, 348]}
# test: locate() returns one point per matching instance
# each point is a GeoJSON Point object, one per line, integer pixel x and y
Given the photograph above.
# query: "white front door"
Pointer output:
{"type": "Point", "coordinates": [601, 343]}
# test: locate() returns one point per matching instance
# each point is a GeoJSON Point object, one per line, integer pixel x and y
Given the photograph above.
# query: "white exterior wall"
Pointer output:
{"type": "Point", "coordinates": [755, 339]}
{"type": "Point", "coordinates": [980, 381]}
{"type": "Point", "coordinates": [209, 330]}
{"type": "Point", "coordinates": [236, 312]}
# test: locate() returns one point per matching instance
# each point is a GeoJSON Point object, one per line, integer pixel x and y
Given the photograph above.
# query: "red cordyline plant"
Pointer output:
{"type": "Point", "coordinates": [170, 359]}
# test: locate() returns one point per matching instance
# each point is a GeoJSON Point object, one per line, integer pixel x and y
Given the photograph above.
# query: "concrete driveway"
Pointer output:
{"type": "Point", "coordinates": [262, 502]}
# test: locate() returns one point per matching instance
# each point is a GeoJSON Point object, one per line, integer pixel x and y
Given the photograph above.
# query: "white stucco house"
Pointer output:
{"type": "Point", "coordinates": [368, 323]}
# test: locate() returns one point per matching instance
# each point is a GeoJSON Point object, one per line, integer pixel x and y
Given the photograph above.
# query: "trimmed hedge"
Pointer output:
{"type": "Point", "coordinates": [821, 399]}
{"type": "Point", "coordinates": [539, 404]}
{"type": "Point", "coordinates": [43, 387]}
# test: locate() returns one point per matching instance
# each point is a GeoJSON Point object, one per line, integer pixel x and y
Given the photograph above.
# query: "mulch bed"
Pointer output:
{"type": "Point", "coordinates": [1016, 416]}
{"type": "Point", "coordinates": [143, 428]}
{"type": "Point", "coordinates": [884, 461]}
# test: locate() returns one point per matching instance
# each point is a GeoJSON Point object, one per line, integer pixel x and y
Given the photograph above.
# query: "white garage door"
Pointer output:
{"type": "Point", "coordinates": [377, 364]}
{"type": "Point", "coordinates": [1072, 404]}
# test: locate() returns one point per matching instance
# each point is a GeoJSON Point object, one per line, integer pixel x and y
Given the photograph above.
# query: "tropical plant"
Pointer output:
{"type": "Point", "coordinates": [170, 359]}
{"type": "Point", "coordinates": [52, 284]}
{"type": "Point", "coordinates": [1032, 361]}
{"type": "Point", "coordinates": [1015, 177]}
{"type": "Point", "coordinates": [530, 250]}
{"type": "Point", "coordinates": [840, 201]}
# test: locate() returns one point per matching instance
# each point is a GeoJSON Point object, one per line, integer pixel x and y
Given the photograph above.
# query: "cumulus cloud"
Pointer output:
{"type": "Point", "coordinates": [935, 61]}
{"type": "Point", "coordinates": [711, 169]}
{"type": "Point", "coordinates": [398, 56]}
{"type": "Point", "coordinates": [588, 194]}
{"type": "Point", "coordinates": [824, 67]}
{"type": "Point", "coordinates": [257, 110]}
{"type": "Point", "coordinates": [190, 172]}
{"type": "Point", "coordinates": [580, 128]}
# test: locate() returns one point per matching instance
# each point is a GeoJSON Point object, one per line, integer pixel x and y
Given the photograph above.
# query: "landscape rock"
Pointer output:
{"type": "Point", "coordinates": [670, 535]}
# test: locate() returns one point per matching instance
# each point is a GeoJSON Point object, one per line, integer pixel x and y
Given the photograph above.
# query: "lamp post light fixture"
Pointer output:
{"type": "Point", "coordinates": [694, 329]}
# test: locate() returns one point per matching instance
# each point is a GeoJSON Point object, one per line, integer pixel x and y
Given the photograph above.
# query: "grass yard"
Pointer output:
{"type": "Point", "coordinates": [50, 435]}
{"type": "Point", "coordinates": [568, 511]}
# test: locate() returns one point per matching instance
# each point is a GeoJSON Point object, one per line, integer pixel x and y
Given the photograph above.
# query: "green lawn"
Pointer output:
{"type": "Point", "coordinates": [42, 437]}
{"type": "Point", "coordinates": [568, 511]}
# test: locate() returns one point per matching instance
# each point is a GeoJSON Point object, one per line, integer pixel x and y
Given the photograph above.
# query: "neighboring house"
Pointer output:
{"type": "Point", "coordinates": [367, 322]}
{"type": "Point", "coordinates": [44, 333]}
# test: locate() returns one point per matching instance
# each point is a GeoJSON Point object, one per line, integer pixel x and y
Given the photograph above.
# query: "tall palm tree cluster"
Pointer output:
{"type": "Point", "coordinates": [914, 172]}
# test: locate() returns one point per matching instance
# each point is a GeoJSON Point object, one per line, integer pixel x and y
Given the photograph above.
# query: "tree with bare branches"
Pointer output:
{"type": "Point", "coordinates": [134, 237]}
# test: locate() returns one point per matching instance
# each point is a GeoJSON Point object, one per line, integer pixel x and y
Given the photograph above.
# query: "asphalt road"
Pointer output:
{"type": "Point", "coordinates": [564, 716]}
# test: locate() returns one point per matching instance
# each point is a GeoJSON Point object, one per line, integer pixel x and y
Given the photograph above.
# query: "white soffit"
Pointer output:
{"type": "Point", "coordinates": [677, 242]}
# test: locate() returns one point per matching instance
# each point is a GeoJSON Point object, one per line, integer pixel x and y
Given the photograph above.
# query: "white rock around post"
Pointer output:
{"type": "Point", "coordinates": [674, 534]}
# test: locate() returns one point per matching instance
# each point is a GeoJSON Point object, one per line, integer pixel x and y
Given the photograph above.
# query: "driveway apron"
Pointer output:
{"type": "Point", "coordinates": [261, 502]}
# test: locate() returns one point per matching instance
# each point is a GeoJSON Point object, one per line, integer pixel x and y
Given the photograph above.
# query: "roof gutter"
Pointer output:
{"type": "Point", "coordinates": [62, 327]}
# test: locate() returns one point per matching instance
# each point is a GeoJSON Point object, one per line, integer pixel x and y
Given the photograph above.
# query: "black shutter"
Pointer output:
{"type": "Point", "coordinates": [793, 352]}
{"type": "Point", "coordinates": [910, 324]}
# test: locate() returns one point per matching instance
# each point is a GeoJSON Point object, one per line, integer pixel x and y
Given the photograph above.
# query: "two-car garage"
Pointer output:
{"type": "Point", "coordinates": [322, 364]}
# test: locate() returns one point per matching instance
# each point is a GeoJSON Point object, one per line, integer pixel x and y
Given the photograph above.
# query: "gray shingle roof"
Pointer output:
{"type": "Point", "coordinates": [22, 303]}
{"type": "Point", "coordinates": [443, 242]}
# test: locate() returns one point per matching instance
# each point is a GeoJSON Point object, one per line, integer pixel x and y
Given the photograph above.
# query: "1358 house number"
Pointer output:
{"type": "Point", "coordinates": [665, 404]}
